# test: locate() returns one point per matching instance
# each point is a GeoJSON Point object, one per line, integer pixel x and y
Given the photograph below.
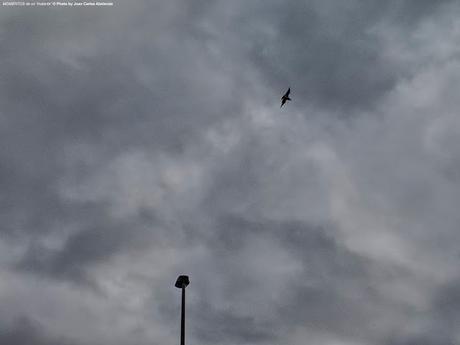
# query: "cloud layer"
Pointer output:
{"type": "Point", "coordinates": [145, 140]}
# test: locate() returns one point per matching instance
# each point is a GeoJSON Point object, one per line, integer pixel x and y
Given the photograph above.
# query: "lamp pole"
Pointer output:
{"type": "Point", "coordinates": [181, 283]}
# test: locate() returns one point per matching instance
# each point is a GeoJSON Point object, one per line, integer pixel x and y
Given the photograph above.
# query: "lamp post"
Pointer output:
{"type": "Point", "coordinates": [181, 283]}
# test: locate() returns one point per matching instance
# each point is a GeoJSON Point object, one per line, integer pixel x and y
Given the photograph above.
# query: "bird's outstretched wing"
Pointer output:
{"type": "Point", "coordinates": [285, 97]}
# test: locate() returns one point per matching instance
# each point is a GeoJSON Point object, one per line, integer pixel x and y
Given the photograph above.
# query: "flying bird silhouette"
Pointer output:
{"type": "Point", "coordinates": [285, 97]}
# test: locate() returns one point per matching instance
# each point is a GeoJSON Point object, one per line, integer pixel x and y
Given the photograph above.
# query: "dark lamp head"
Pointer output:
{"type": "Point", "coordinates": [182, 281]}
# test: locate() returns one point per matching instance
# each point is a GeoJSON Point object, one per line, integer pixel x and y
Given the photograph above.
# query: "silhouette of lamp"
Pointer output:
{"type": "Point", "coordinates": [181, 283]}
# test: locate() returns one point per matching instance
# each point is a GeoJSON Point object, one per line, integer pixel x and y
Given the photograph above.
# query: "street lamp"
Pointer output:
{"type": "Point", "coordinates": [181, 283]}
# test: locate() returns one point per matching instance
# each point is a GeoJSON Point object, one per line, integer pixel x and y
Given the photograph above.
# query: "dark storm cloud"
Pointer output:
{"type": "Point", "coordinates": [331, 290]}
{"type": "Point", "coordinates": [321, 60]}
{"type": "Point", "coordinates": [328, 52]}
{"type": "Point", "coordinates": [129, 135]}
{"type": "Point", "coordinates": [447, 303]}
{"type": "Point", "coordinates": [96, 98]}
{"type": "Point", "coordinates": [25, 331]}
{"type": "Point", "coordinates": [412, 11]}
{"type": "Point", "coordinates": [50, 102]}
{"type": "Point", "coordinates": [441, 319]}
{"type": "Point", "coordinates": [98, 242]}
{"type": "Point", "coordinates": [213, 325]}
{"type": "Point", "coordinates": [331, 284]}
{"type": "Point", "coordinates": [425, 339]}
{"type": "Point", "coordinates": [38, 115]}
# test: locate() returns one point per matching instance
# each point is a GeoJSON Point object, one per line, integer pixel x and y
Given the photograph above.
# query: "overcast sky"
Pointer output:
{"type": "Point", "coordinates": [146, 140]}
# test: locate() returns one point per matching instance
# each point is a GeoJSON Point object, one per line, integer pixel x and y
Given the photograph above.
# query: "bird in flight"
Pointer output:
{"type": "Point", "coordinates": [285, 97]}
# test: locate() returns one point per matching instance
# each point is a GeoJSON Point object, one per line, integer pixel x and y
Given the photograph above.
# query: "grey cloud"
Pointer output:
{"type": "Point", "coordinates": [426, 339]}
{"type": "Point", "coordinates": [329, 284]}
{"type": "Point", "coordinates": [88, 246]}
{"type": "Point", "coordinates": [225, 326]}
{"type": "Point", "coordinates": [326, 52]}
{"type": "Point", "coordinates": [25, 331]}
{"type": "Point", "coordinates": [329, 273]}
{"type": "Point", "coordinates": [329, 53]}
{"type": "Point", "coordinates": [264, 209]}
